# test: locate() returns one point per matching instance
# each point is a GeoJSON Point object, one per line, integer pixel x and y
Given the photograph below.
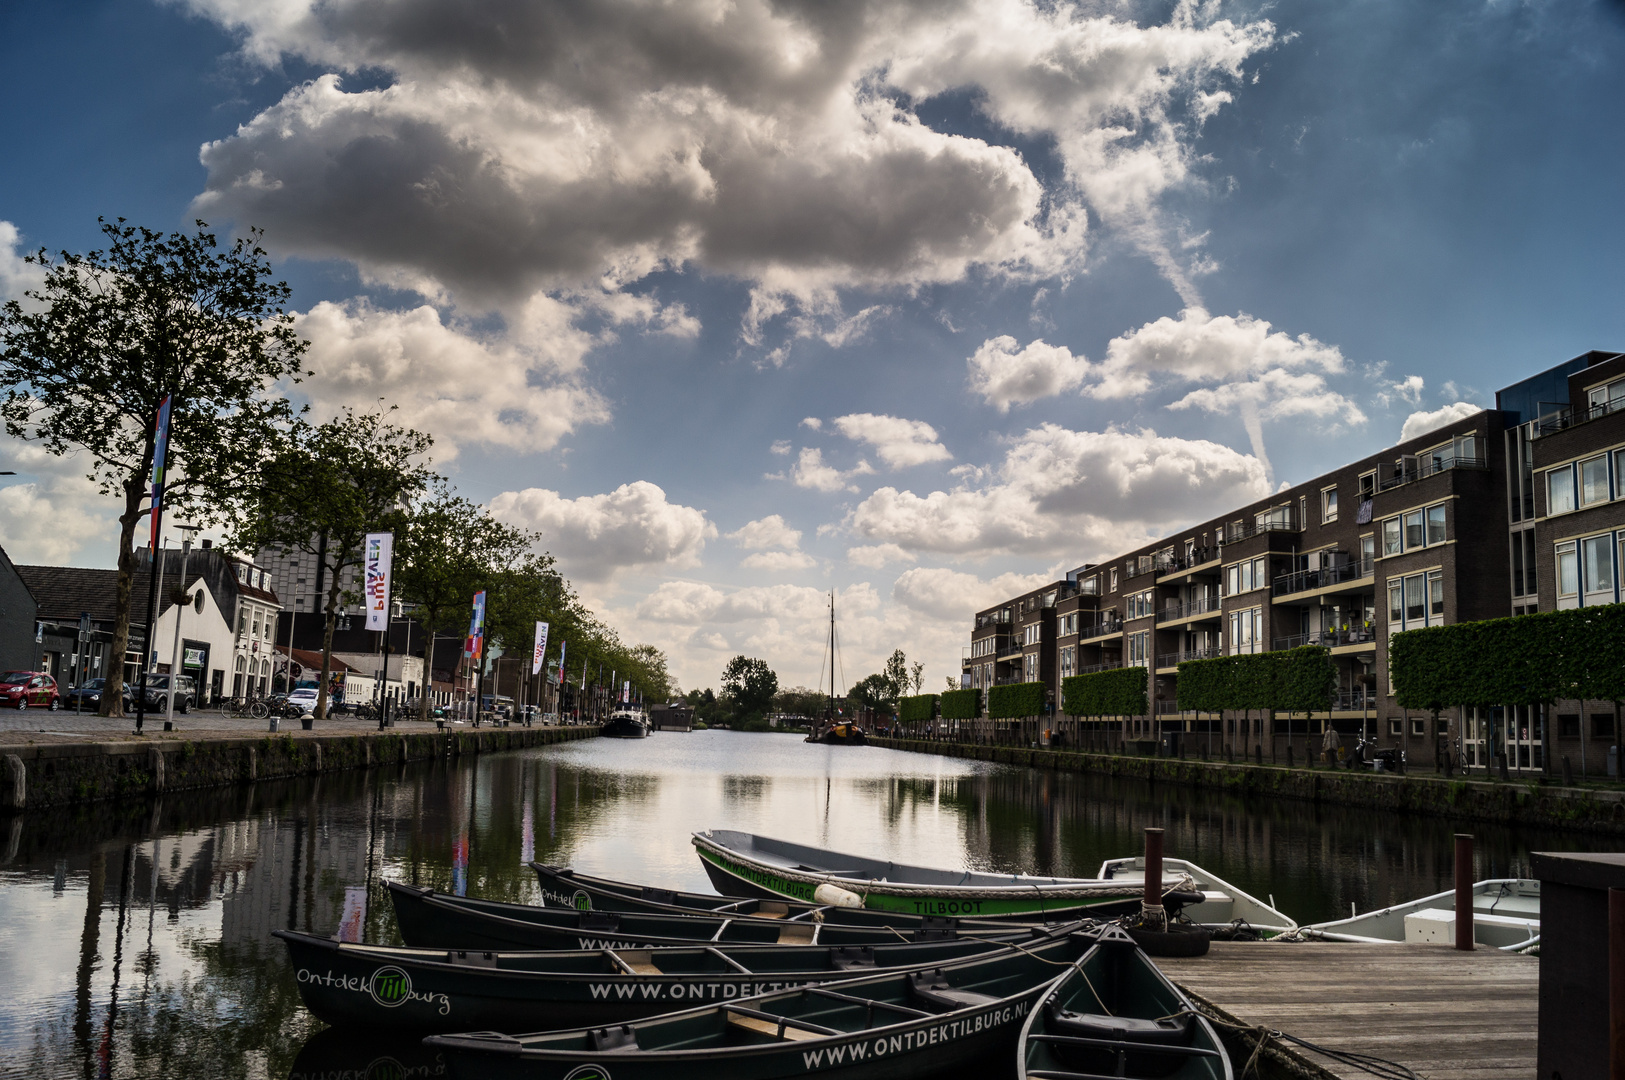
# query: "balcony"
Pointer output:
{"type": "Point", "coordinates": [1109, 665]}
{"type": "Point", "coordinates": [1202, 605]}
{"type": "Point", "coordinates": [1571, 417]}
{"type": "Point", "coordinates": [1331, 639]}
{"type": "Point", "coordinates": [1014, 648]}
{"type": "Point", "coordinates": [1167, 708]}
{"type": "Point", "coordinates": [1356, 699]}
{"type": "Point", "coordinates": [1143, 564]}
{"type": "Point", "coordinates": [1410, 470]}
{"type": "Point", "coordinates": [1325, 577]}
{"type": "Point", "coordinates": [1101, 628]}
{"type": "Point", "coordinates": [1173, 564]}
{"type": "Point", "coordinates": [1281, 519]}
{"type": "Point", "coordinates": [1173, 659]}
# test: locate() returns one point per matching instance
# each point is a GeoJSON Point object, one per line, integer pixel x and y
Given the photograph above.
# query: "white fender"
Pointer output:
{"type": "Point", "coordinates": [835, 896]}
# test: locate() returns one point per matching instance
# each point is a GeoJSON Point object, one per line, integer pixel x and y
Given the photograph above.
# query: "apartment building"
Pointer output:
{"type": "Point", "coordinates": [1513, 509]}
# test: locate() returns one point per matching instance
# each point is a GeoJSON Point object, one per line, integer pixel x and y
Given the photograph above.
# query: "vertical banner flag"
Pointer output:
{"type": "Point", "coordinates": [540, 650]}
{"type": "Point", "coordinates": [562, 646]}
{"type": "Point", "coordinates": [376, 554]}
{"type": "Point", "coordinates": [475, 645]}
{"type": "Point", "coordinates": [626, 690]}
{"type": "Point", "coordinates": [160, 450]}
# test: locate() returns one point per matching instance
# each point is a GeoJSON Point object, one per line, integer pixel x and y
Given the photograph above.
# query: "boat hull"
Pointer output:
{"type": "Point", "coordinates": [707, 1043]}
{"type": "Point", "coordinates": [439, 990]}
{"type": "Point", "coordinates": [616, 728]}
{"type": "Point", "coordinates": [1506, 916]}
{"type": "Point", "coordinates": [734, 874]}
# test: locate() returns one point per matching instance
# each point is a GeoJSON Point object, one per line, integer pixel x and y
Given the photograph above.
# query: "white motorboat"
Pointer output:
{"type": "Point", "coordinates": [1506, 916]}
{"type": "Point", "coordinates": [1223, 908]}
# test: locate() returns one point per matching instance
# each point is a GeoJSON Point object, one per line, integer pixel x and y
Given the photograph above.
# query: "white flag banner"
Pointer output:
{"type": "Point", "coordinates": [540, 650]}
{"type": "Point", "coordinates": [626, 690]}
{"type": "Point", "coordinates": [375, 566]}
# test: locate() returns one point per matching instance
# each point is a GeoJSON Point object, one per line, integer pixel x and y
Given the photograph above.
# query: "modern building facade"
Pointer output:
{"type": "Point", "coordinates": [1514, 509]}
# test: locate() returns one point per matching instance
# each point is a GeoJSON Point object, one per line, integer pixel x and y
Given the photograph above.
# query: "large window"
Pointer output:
{"type": "Point", "coordinates": [1246, 576]}
{"type": "Point", "coordinates": [1416, 600]}
{"type": "Point", "coordinates": [1139, 648]}
{"type": "Point", "coordinates": [1606, 399]}
{"type": "Point", "coordinates": [1414, 536]}
{"type": "Point", "coordinates": [1597, 563]}
{"type": "Point", "coordinates": [1568, 575]}
{"type": "Point", "coordinates": [1069, 660]}
{"type": "Point", "coordinates": [1594, 480]}
{"type": "Point", "coordinates": [1391, 544]}
{"type": "Point", "coordinates": [1328, 505]}
{"type": "Point", "coordinates": [1246, 631]}
{"type": "Point", "coordinates": [1436, 524]}
{"type": "Point", "coordinates": [1523, 563]}
{"type": "Point", "coordinates": [1560, 490]}
{"type": "Point", "coordinates": [1414, 530]}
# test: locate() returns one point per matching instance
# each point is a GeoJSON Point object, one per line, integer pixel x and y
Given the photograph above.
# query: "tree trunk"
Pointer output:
{"type": "Point", "coordinates": [327, 643]}
{"type": "Point", "coordinates": [112, 694]}
{"type": "Point", "coordinates": [428, 669]}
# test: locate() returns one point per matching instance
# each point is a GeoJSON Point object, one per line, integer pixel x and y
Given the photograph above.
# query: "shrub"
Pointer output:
{"type": "Point", "coordinates": [1016, 700]}
{"type": "Point", "coordinates": [912, 710]}
{"type": "Point", "coordinates": [1119, 692]}
{"type": "Point", "coordinates": [961, 704]}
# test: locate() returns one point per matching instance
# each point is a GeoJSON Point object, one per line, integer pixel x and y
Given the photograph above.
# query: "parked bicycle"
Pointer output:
{"type": "Point", "coordinates": [250, 708]}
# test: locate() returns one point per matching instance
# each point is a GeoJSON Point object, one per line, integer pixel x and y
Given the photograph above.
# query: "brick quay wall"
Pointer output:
{"type": "Point", "coordinates": [52, 773]}
{"type": "Point", "coordinates": [1510, 802]}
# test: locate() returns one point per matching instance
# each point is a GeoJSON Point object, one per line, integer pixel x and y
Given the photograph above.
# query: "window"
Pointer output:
{"type": "Point", "coordinates": [1568, 574]}
{"type": "Point", "coordinates": [1114, 579]}
{"type": "Point", "coordinates": [1246, 576]}
{"type": "Point", "coordinates": [1246, 630]}
{"type": "Point", "coordinates": [1435, 598]}
{"type": "Point", "coordinates": [1396, 605]}
{"type": "Point", "coordinates": [1523, 563]}
{"type": "Point", "coordinates": [1390, 537]}
{"type": "Point", "coordinates": [1418, 725]}
{"type": "Point", "coordinates": [1414, 536]}
{"type": "Point", "coordinates": [1436, 524]}
{"type": "Point", "coordinates": [1328, 505]}
{"type": "Point", "coordinates": [1415, 604]}
{"type": "Point", "coordinates": [1597, 562]}
{"type": "Point", "coordinates": [1606, 399]}
{"type": "Point", "coordinates": [1069, 659]}
{"type": "Point", "coordinates": [1368, 551]}
{"type": "Point", "coordinates": [1030, 633]}
{"type": "Point", "coordinates": [1139, 647]}
{"type": "Point", "coordinates": [1091, 585]}
{"type": "Point", "coordinates": [1368, 485]}
{"type": "Point", "coordinates": [1030, 667]}
{"type": "Point", "coordinates": [1560, 490]}
{"type": "Point", "coordinates": [1568, 725]}
{"type": "Point", "coordinates": [1619, 471]}
{"type": "Point", "coordinates": [1602, 725]}
{"type": "Point", "coordinates": [1394, 728]}
{"type": "Point", "coordinates": [1594, 480]}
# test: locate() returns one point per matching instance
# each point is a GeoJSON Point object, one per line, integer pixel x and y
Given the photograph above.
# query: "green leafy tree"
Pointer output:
{"type": "Point", "coordinates": [749, 684]}
{"type": "Point", "coordinates": [88, 360]}
{"type": "Point", "coordinates": [353, 475]}
{"type": "Point", "coordinates": [897, 675]}
{"type": "Point", "coordinates": [874, 692]}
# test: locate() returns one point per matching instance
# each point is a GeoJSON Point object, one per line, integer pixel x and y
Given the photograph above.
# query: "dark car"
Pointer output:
{"type": "Point", "coordinates": [24, 689]}
{"type": "Point", "coordinates": [158, 691]}
{"type": "Point", "coordinates": [88, 695]}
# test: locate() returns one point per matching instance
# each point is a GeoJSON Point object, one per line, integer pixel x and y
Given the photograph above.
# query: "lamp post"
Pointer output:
{"type": "Point", "coordinates": [175, 652]}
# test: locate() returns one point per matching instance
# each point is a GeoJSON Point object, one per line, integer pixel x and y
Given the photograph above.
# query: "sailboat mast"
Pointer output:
{"type": "Point", "coordinates": [832, 654]}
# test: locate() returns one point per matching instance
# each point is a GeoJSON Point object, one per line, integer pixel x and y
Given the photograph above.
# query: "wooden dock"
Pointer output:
{"type": "Point", "coordinates": [1442, 1013]}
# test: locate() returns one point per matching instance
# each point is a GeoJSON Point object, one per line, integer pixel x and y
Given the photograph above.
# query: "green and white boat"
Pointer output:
{"type": "Point", "coordinates": [744, 864]}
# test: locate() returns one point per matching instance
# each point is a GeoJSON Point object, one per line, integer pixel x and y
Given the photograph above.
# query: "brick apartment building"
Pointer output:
{"type": "Point", "coordinates": [1514, 509]}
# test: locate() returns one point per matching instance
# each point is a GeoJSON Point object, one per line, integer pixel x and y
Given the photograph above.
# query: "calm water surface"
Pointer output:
{"type": "Point", "coordinates": [135, 941]}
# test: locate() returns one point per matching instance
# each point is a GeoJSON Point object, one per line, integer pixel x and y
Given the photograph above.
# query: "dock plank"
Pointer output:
{"type": "Point", "coordinates": [1447, 1015]}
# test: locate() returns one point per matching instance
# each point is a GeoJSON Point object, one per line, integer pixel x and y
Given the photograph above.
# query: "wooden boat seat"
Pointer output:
{"type": "Point", "coordinates": [1120, 1045]}
{"type": "Point", "coordinates": [797, 934]}
{"type": "Point", "coordinates": [771, 1029]}
{"type": "Point", "coordinates": [934, 991]}
{"type": "Point", "coordinates": [644, 968]}
{"type": "Point", "coordinates": [615, 1040]}
{"type": "Point", "coordinates": [767, 909]}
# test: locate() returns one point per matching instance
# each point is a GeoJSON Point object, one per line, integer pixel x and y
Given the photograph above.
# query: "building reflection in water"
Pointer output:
{"type": "Point", "coordinates": [137, 938]}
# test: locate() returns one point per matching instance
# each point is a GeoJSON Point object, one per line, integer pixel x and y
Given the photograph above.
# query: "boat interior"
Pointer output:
{"type": "Point", "coordinates": [1506, 915]}
{"type": "Point", "coordinates": [1222, 903]}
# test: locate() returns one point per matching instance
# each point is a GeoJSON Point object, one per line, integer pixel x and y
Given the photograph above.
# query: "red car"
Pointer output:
{"type": "Point", "coordinates": [20, 689]}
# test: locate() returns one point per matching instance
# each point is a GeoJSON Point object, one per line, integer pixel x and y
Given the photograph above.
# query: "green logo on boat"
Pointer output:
{"type": "Point", "coordinates": [587, 1072]}
{"type": "Point", "coordinates": [582, 901]}
{"type": "Point", "coordinates": [386, 1068]}
{"type": "Point", "coordinates": [390, 986]}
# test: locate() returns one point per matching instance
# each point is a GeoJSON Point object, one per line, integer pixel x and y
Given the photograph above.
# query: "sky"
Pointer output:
{"type": "Point", "coordinates": [737, 303]}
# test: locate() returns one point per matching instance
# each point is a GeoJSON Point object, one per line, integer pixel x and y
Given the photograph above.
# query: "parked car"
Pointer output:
{"type": "Point", "coordinates": [88, 695]}
{"type": "Point", "coordinates": [303, 698]}
{"type": "Point", "coordinates": [158, 692]}
{"type": "Point", "coordinates": [22, 689]}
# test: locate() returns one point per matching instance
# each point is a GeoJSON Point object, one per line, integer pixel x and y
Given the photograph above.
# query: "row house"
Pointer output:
{"type": "Point", "coordinates": [1513, 509]}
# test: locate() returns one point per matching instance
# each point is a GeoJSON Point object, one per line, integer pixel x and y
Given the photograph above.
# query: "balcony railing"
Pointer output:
{"type": "Point", "coordinates": [1015, 648]}
{"type": "Point", "coordinates": [1173, 659]}
{"type": "Point", "coordinates": [1102, 626]}
{"type": "Point", "coordinates": [999, 618]}
{"type": "Point", "coordinates": [1571, 417]}
{"type": "Point", "coordinates": [1280, 519]}
{"type": "Point", "coordinates": [1173, 564]}
{"type": "Point", "coordinates": [1408, 472]}
{"type": "Point", "coordinates": [1143, 564]}
{"type": "Point", "coordinates": [1202, 605]}
{"type": "Point", "coordinates": [1305, 580]}
{"type": "Point", "coordinates": [1109, 665]}
{"type": "Point", "coordinates": [1356, 699]}
{"type": "Point", "coordinates": [1167, 708]}
{"type": "Point", "coordinates": [1329, 638]}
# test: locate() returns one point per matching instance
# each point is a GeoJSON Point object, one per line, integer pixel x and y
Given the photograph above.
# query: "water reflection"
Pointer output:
{"type": "Point", "coordinates": [135, 939]}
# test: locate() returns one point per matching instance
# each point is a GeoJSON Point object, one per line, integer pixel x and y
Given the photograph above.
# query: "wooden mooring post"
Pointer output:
{"type": "Point", "coordinates": [1151, 909]}
{"type": "Point", "coordinates": [1464, 892]}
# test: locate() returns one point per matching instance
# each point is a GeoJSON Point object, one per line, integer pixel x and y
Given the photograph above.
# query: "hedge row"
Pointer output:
{"type": "Point", "coordinates": [1014, 701]}
{"type": "Point", "coordinates": [1295, 680]}
{"type": "Point", "coordinates": [1120, 692]}
{"type": "Point", "coordinates": [911, 710]}
{"type": "Point", "coordinates": [1523, 660]}
{"type": "Point", "coordinates": [961, 704]}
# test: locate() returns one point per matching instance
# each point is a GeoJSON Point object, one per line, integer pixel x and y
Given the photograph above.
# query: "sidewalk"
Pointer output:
{"type": "Point", "coordinates": [32, 726]}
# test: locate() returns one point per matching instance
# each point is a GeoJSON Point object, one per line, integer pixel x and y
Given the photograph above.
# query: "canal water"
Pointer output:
{"type": "Point", "coordinates": [135, 939]}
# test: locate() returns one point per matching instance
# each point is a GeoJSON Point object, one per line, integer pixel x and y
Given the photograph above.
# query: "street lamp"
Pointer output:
{"type": "Point", "coordinates": [189, 532]}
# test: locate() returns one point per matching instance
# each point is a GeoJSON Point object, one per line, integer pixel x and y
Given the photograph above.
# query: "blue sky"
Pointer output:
{"type": "Point", "coordinates": [737, 304]}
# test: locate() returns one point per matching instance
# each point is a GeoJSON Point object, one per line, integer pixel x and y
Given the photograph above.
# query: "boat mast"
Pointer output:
{"type": "Point", "coordinates": [832, 656]}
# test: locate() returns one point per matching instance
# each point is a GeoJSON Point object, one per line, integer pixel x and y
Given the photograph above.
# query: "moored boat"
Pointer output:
{"type": "Point", "coordinates": [428, 990]}
{"type": "Point", "coordinates": [741, 863]}
{"type": "Point", "coordinates": [436, 920]}
{"type": "Point", "coordinates": [1116, 1014]}
{"type": "Point", "coordinates": [1223, 909]}
{"type": "Point", "coordinates": [915, 1023]}
{"type": "Point", "coordinates": [1506, 916]}
{"type": "Point", "coordinates": [843, 733]}
{"type": "Point", "coordinates": [626, 724]}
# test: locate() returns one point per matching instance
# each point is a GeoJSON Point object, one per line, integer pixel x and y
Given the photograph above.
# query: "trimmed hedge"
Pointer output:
{"type": "Point", "coordinates": [1536, 659]}
{"type": "Point", "coordinates": [961, 704]}
{"type": "Point", "coordinates": [911, 710]}
{"type": "Point", "coordinates": [1295, 680]}
{"type": "Point", "coordinates": [1120, 692]}
{"type": "Point", "coordinates": [1015, 701]}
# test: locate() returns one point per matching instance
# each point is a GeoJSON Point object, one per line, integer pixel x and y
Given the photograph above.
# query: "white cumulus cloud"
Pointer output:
{"type": "Point", "coordinates": [1005, 374]}
{"type": "Point", "coordinates": [596, 536]}
{"type": "Point", "coordinates": [955, 596]}
{"type": "Point", "coordinates": [900, 443]}
{"type": "Point", "coordinates": [1420, 422]}
{"type": "Point", "coordinates": [775, 561]}
{"type": "Point", "coordinates": [876, 556]}
{"type": "Point", "coordinates": [765, 533]}
{"type": "Point", "coordinates": [813, 473]}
